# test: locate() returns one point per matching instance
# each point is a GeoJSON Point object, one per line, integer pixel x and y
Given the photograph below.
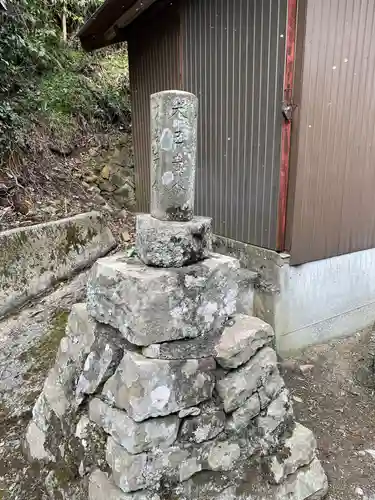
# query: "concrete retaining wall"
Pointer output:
{"type": "Point", "coordinates": [33, 258]}
{"type": "Point", "coordinates": [311, 303]}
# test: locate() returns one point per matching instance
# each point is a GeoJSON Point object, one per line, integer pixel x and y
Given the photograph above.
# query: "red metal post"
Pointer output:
{"type": "Point", "coordinates": [287, 124]}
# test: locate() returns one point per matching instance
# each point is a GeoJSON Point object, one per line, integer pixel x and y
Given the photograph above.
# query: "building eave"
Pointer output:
{"type": "Point", "coordinates": [108, 24]}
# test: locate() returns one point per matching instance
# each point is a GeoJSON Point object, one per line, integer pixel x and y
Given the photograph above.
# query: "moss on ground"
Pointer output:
{"type": "Point", "coordinates": [42, 355]}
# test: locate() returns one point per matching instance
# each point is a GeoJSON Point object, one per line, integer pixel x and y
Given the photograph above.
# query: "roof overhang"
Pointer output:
{"type": "Point", "coordinates": [108, 25]}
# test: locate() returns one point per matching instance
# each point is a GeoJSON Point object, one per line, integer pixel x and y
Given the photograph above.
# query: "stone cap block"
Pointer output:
{"type": "Point", "coordinates": [172, 244]}
{"type": "Point", "coordinates": [151, 305]}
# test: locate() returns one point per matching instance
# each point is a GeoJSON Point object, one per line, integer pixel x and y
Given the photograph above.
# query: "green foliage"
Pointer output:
{"type": "Point", "coordinates": [46, 81]}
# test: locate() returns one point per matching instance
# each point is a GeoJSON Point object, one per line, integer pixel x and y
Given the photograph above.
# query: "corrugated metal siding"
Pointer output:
{"type": "Point", "coordinates": [154, 59]}
{"type": "Point", "coordinates": [233, 60]}
{"type": "Point", "coordinates": [333, 210]}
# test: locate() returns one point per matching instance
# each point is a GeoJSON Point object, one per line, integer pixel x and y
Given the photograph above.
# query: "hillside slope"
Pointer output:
{"type": "Point", "coordinates": [65, 138]}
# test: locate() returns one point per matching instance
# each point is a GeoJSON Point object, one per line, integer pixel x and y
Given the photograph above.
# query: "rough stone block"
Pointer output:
{"type": "Point", "coordinates": [206, 426]}
{"type": "Point", "coordinates": [35, 442]}
{"type": "Point", "coordinates": [146, 470]}
{"type": "Point", "coordinates": [172, 244]}
{"type": "Point", "coordinates": [33, 258]}
{"type": "Point", "coordinates": [272, 387]}
{"type": "Point", "coordinates": [200, 347]}
{"type": "Point", "coordinates": [100, 364]}
{"type": "Point", "coordinates": [153, 305]}
{"type": "Point", "coordinates": [134, 437]}
{"type": "Point", "coordinates": [309, 483]}
{"type": "Point", "coordinates": [239, 385]}
{"type": "Point", "coordinates": [86, 357]}
{"type": "Point", "coordinates": [277, 413]}
{"type": "Point", "coordinates": [89, 448]}
{"type": "Point", "coordinates": [102, 488]}
{"type": "Point", "coordinates": [130, 472]}
{"type": "Point", "coordinates": [42, 413]}
{"type": "Point", "coordinates": [151, 388]}
{"type": "Point", "coordinates": [241, 418]}
{"type": "Point", "coordinates": [238, 343]}
{"type": "Point", "coordinates": [59, 489]}
{"type": "Point", "coordinates": [298, 451]}
{"type": "Point", "coordinates": [223, 456]}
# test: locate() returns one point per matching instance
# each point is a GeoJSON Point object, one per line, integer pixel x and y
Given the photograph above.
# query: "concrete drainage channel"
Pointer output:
{"type": "Point", "coordinates": [34, 258]}
{"type": "Point", "coordinates": [32, 322]}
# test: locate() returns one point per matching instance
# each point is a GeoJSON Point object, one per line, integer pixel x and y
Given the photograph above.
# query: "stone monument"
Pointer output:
{"type": "Point", "coordinates": [160, 391]}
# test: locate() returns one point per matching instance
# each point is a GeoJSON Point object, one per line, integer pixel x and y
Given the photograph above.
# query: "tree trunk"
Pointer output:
{"type": "Point", "coordinates": [63, 23]}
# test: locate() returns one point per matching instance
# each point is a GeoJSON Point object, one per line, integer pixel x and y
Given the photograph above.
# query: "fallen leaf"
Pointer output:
{"type": "Point", "coordinates": [297, 399]}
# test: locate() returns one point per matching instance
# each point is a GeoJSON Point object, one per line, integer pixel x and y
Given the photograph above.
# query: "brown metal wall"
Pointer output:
{"type": "Point", "coordinates": [332, 206]}
{"type": "Point", "coordinates": [233, 59]}
{"type": "Point", "coordinates": [154, 60]}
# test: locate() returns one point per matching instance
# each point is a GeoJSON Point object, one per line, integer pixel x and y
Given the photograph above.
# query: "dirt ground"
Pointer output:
{"type": "Point", "coordinates": [335, 396]}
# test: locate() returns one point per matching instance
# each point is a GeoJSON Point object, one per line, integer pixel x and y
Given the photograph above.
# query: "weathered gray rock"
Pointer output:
{"type": "Point", "coordinates": [276, 414]}
{"type": "Point", "coordinates": [223, 456]}
{"type": "Point", "coordinates": [272, 387]}
{"type": "Point", "coordinates": [173, 154]}
{"type": "Point", "coordinates": [131, 472]}
{"type": "Point", "coordinates": [90, 453]}
{"type": "Point", "coordinates": [151, 387]}
{"type": "Point", "coordinates": [309, 483]}
{"type": "Point", "coordinates": [207, 485]}
{"type": "Point", "coordinates": [209, 424]}
{"type": "Point", "coordinates": [64, 490]}
{"type": "Point", "coordinates": [42, 413]}
{"type": "Point", "coordinates": [232, 346]}
{"type": "Point", "coordinates": [241, 418]}
{"type": "Point", "coordinates": [146, 470]}
{"type": "Point", "coordinates": [35, 443]}
{"type": "Point", "coordinates": [238, 386]}
{"type": "Point", "coordinates": [134, 437]}
{"type": "Point", "coordinates": [298, 450]}
{"type": "Point", "coordinates": [248, 483]}
{"type": "Point", "coordinates": [238, 343]}
{"type": "Point", "coordinates": [59, 387]}
{"type": "Point", "coordinates": [153, 305]}
{"type": "Point", "coordinates": [172, 244]}
{"type": "Point", "coordinates": [102, 361]}
{"type": "Point", "coordinates": [87, 356]}
{"type": "Point", "coordinates": [200, 347]}
{"type": "Point", "coordinates": [102, 488]}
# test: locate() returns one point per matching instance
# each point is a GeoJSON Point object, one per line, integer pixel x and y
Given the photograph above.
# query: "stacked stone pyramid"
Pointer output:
{"type": "Point", "coordinates": [159, 390]}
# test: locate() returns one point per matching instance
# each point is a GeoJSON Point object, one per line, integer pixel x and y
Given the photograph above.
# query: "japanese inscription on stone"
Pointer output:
{"type": "Point", "coordinates": [173, 154]}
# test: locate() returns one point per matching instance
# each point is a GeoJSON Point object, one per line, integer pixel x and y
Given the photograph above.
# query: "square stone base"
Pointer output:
{"type": "Point", "coordinates": [151, 305]}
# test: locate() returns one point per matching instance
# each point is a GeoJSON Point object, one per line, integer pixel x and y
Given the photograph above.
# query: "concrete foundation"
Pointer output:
{"type": "Point", "coordinates": [311, 303]}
